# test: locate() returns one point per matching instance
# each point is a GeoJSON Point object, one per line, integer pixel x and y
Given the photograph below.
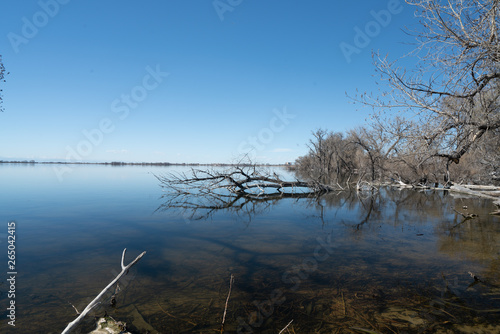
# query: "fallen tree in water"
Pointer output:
{"type": "Point", "coordinates": [243, 189]}
{"type": "Point", "coordinates": [247, 181]}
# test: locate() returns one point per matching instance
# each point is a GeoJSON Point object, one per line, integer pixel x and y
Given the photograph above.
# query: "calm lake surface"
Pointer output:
{"type": "Point", "coordinates": [395, 261]}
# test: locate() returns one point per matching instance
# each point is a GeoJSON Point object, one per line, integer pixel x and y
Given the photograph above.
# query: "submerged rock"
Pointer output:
{"type": "Point", "coordinates": [108, 325]}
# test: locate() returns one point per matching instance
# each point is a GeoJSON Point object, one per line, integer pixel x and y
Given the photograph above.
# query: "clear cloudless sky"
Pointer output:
{"type": "Point", "coordinates": [186, 80]}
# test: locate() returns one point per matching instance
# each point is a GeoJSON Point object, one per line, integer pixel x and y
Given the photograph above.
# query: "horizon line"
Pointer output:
{"type": "Point", "coordinates": [119, 163]}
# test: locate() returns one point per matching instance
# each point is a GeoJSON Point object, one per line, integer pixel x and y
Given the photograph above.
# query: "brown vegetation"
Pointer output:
{"type": "Point", "coordinates": [438, 121]}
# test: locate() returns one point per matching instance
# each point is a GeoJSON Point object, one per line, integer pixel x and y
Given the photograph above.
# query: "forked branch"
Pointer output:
{"type": "Point", "coordinates": [95, 302]}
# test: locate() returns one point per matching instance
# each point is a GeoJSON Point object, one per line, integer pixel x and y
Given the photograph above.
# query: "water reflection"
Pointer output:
{"type": "Point", "coordinates": [385, 261]}
{"type": "Point", "coordinates": [400, 261]}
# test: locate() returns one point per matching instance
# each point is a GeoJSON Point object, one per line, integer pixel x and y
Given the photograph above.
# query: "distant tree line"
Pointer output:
{"type": "Point", "coordinates": [436, 122]}
{"type": "Point", "coordinates": [18, 162]}
{"type": "Point", "coordinates": [123, 163]}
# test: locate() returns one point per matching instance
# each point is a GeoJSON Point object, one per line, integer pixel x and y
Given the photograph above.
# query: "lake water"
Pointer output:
{"type": "Point", "coordinates": [395, 261]}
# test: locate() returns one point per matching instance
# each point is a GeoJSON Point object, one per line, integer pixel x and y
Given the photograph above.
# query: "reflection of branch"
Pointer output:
{"type": "Point", "coordinates": [466, 215]}
{"type": "Point", "coordinates": [368, 214]}
{"type": "Point", "coordinates": [202, 207]}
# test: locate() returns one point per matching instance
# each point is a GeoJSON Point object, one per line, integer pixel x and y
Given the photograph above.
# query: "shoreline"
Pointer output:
{"type": "Point", "coordinates": [121, 163]}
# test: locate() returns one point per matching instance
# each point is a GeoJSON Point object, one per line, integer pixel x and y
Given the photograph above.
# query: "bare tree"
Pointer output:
{"type": "Point", "coordinates": [321, 154]}
{"type": "Point", "coordinates": [371, 146]}
{"type": "Point", "coordinates": [330, 159]}
{"type": "Point", "coordinates": [450, 100]}
{"type": "Point", "coordinates": [488, 155]}
{"type": "Point", "coordinates": [2, 76]}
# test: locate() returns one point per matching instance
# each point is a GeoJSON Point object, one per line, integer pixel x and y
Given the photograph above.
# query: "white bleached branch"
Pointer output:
{"type": "Point", "coordinates": [286, 327]}
{"type": "Point", "coordinates": [95, 302]}
{"type": "Point", "coordinates": [227, 301]}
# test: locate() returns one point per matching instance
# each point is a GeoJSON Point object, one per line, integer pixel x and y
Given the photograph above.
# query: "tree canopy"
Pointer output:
{"type": "Point", "coordinates": [438, 110]}
{"type": "Point", "coordinates": [2, 75]}
{"type": "Point", "coordinates": [450, 99]}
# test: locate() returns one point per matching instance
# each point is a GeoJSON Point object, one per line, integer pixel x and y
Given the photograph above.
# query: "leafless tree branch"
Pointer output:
{"type": "Point", "coordinates": [96, 302]}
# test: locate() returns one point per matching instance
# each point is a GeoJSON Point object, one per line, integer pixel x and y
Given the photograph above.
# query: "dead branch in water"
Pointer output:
{"type": "Point", "coordinates": [466, 215]}
{"type": "Point", "coordinates": [242, 189]}
{"type": "Point", "coordinates": [231, 280]}
{"type": "Point", "coordinates": [247, 181]}
{"type": "Point", "coordinates": [286, 326]}
{"type": "Point", "coordinates": [95, 302]}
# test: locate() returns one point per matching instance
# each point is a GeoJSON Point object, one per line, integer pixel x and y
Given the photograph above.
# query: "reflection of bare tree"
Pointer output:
{"type": "Point", "coordinates": [203, 206]}
{"type": "Point", "coordinates": [475, 239]}
{"type": "Point", "coordinates": [366, 207]}
{"type": "Point", "coordinates": [369, 208]}
{"type": "Point", "coordinates": [424, 204]}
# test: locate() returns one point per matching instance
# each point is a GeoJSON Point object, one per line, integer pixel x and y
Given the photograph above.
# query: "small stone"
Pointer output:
{"type": "Point", "coordinates": [108, 325]}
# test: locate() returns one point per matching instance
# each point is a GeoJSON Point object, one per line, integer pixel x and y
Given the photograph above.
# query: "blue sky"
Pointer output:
{"type": "Point", "coordinates": [186, 81]}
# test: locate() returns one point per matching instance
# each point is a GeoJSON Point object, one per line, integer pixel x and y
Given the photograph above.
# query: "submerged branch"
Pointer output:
{"type": "Point", "coordinates": [95, 302]}
{"type": "Point", "coordinates": [227, 302]}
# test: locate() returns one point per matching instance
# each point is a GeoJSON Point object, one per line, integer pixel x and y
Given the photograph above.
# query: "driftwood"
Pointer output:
{"type": "Point", "coordinates": [484, 194]}
{"type": "Point", "coordinates": [480, 187]}
{"type": "Point", "coordinates": [227, 302]}
{"type": "Point", "coordinates": [96, 302]}
{"type": "Point", "coordinates": [484, 191]}
{"type": "Point", "coordinates": [286, 327]}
